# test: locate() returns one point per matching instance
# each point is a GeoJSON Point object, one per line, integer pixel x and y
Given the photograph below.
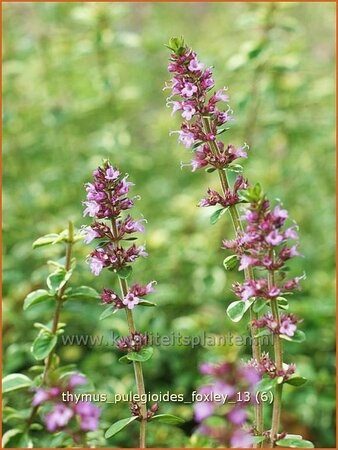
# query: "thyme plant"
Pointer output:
{"type": "Point", "coordinates": [261, 245]}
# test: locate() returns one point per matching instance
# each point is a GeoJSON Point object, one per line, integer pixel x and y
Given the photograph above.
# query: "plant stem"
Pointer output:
{"type": "Point", "coordinates": [248, 273]}
{"type": "Point", "coordinates": [137, 364]}
{"type": "Point", "coordinates": [56, 316]}
{"type": "Point", "coordinates": [58, 299]}
{"type": "Point", "coordinates": [278, 350]}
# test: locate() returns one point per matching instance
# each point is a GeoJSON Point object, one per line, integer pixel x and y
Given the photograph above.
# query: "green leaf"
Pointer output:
{"type": "Point", "coordinates": [283, 303]}
{"type": "Point", "coordinates": [58, 279]}
{"type": "Point", "coordinates": [197, 144]}
{"type": "Point", "coordinates": [222, 130]}
{"type": "Point", "coordinates": [35, 297]}
{"type": "Point", "coordinates": [168, 419]}
{"type": "Point", "coordinates": [230, 262]}
{"type": "Point", "coordinates": [294, 443]}
{"type": "Point", "coordinates": [263, 333]}
{"type": "Point", "coordinates": [65, 370]}
{"type": "Point", "coordinates": [266, 384]}
{"type": "Point", "coordinates": [124, 360]}
{"type": "Point", "coordinates": [143, 355]}
{"type": "Point", "coordinates": [176, 44]}
{"type": "Point", "coordinates": [237, 168]}
{"type": "Point", "coordinates": [147, 303]}
{"type": "Point", "coordinates": [10, 414]}
{"type": "Point", "coordinates": [210, 169]}
{"type": "Point", "coordinates": [41, 326]}
{"type": "Point", "coordinates": [108, 312]}
{"type": "Point", "coordinates": [83, 293]}
{"type": "Point", "coordinates": [9, 435]}
{"type": "Point", "coordinates": [45, 240]}
{"type": "Point", "coordinates": [296, 380]}
{"type": "Point", "coordinates": [124, 272]}
{"type": "Point", "coordinates": [298, 337]}
{"type": "Point", "coordinates": [43, 345]}
{"type": "Point", "coordinates": [252, 194]}
{"type": "Point", "coordinates": [15, 381]}
{"type": "Point", "coordinates": [258, 305]}
{"type": "Point", "coordinates": [36, 426]}
{"type": "Point", "coordinates": [16, 438]}
{"type": "Point", "coordinates": [118, 426]}
{"type": "Point", "coordinates": [237, 309]}
{"type": "Point", "coordinates": [216, 215]}
{"type": "Point", "coordinates": [258, 439]}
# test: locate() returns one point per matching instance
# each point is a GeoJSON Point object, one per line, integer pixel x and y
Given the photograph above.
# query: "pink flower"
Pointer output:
{"type": "Point", "coordinates": [290, 233]}
{"type": "Point", "coordinates": [189, 90]}
{"type": "Point", "coordinates": [246, 261]}
{"type": "Point", "coordinates": [241, 439]}
{"type": "Point", "coordinates": [195, 65]}
{"type": "Point", "coordinates": [204, 409]}
{"type": "Point", "coordinates": [40, 397]}
{"type": "Point", "coordinates": [76, 380]}
{"type": "Point", "coordinates": [280, 213]}
{"type": "Point", "coordinates": [58, 417]}
{"type": "Point", "coordinates": [130, 300]}
{"type": "Point", "coordinates": [188, 111]}
{"type": "Point", "coordinates": [96, 265]}
{"type": "Point", "coordinates": [274, 238]}
{"type": "Point", "coordinates": [111, 173]}
{"type": "Point", "coordinates": [186, 138]}
{"type": "Point", "coordinates": [237, 416]}
{"type": "Point", "coordinates": [92, 208]}
{"type": "Point", "coordinates": [89, 235]}
{"type": "Point", "coordinates": [287, 328]}
{"type": "Point", "coordinates": [89, 416]}
{"type": "Point", "coordinates": [221, 95]}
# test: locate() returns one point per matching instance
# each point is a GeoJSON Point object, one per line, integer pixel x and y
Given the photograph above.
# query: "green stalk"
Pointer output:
{"type": "Point", "coordinates": [57, 311]}
{"type": "Point", "coordinates": [137, 364]}
{"type": "Point", "coordinates": [59, 295]}
{"type": "Point", "coordinates": [248, 274]}
{"type": "Point", "coordinates": [278, 351]}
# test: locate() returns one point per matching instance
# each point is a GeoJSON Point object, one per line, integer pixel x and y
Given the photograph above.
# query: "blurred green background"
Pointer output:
{"type": "Point", "coordinates": [82, 82]}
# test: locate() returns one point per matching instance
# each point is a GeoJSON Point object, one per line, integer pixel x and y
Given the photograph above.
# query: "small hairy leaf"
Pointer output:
{"type": "Point", "coordinates": [168, 419]}
{"type": "Point", "coordinates": [15, 381]}
{"type": "Point", "coordinates": [294, 443]}
{"type": "Point", "coordinates": [237, 309]}
{"type": "Point", "coordinates": [108, 312]}
{"type": "Point", "coordinates": [118, 426]}
{"type": "Point", "coordinates": [35, 297]}
{"type": "Point", "coordinates": [296, 381]}
{"type": "Point", "coordinates": [216, 215]}
{"type": "Point", "coordinates": [230, 262]}
{"type": "Point", "coordinates": [43, 345]}
{"type": "Point", "coordinates": [143, 355]}
{"type": "Point", "coordinates": [124, 272]}
{"type": "Point", "coordinates": [82, 293]}
{"type": "Point", "coordinates": [45, 240]}
{"type": "Point", "coordinates": [146, 303]}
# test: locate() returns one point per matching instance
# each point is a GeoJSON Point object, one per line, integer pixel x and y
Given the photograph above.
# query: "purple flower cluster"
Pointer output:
{"type": "Point", "coordinates": [267, 366]}
{"type": "Point", "coordinates": [287, 326]}
{"type": "Point", "coordinates": [264, 244]}
{"type": "Point", "coordinates": [134, 342]}
{"type": "Point", "coordinates": [106, 199]}
{"type": "Point", "coordinates": [228, 379]}
{"type": "Point", "coordinates": [132, 298]}
{"type": "Point", "coordinates": [66, 416]}
{"type": "Point", "coordinates": [190, 87]}
{"type": "Point", "coordinates": [231, 196]}
{"type": "Point", "coordinates": [264, 236]}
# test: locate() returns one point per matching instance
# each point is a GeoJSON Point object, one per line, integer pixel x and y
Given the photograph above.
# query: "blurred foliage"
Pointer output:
{"type": "Point", "coordinates": [83, 82]}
